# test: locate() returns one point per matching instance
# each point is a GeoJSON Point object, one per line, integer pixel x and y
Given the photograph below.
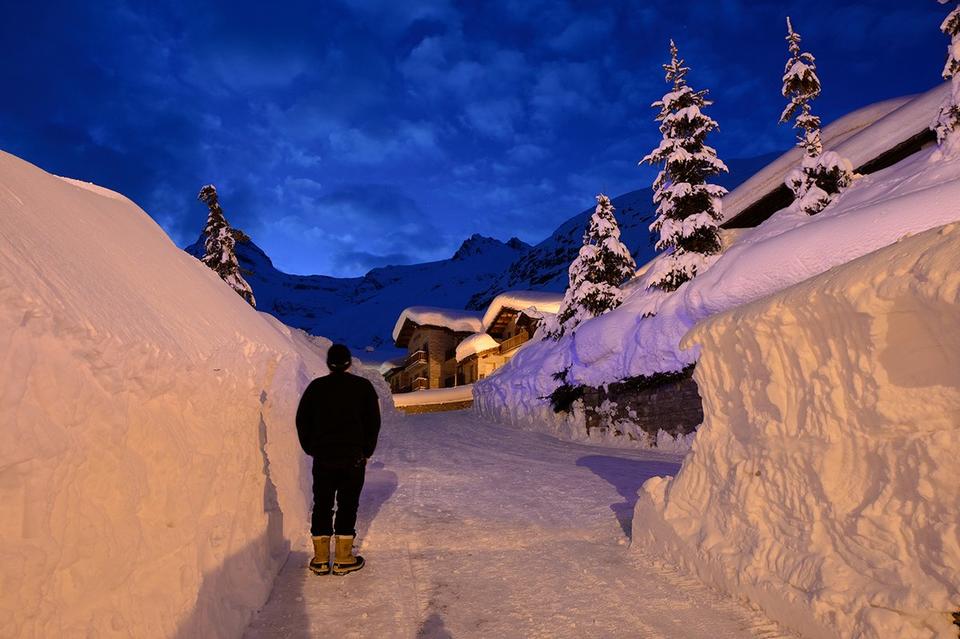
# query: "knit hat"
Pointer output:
{"type": "Point", "coordinates": [339, 358]}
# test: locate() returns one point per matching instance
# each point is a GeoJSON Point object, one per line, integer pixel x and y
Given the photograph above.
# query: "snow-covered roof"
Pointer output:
{"type": "Point", "coordinates": [476, 343]}
{"type": "Point", "coordinates": [860, 136]}
{"type": "Point", "coordinates": [642, 336]}
{"type": "Point", "coordinates": [539, 301]}
{"type": "Point", "coordinates": [432, 396]}
{"type": "Point", "coordinates": [457, 320]}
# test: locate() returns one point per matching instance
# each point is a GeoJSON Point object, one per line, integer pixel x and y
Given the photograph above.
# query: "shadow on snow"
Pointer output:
{"type": "Point", "coordinates": [627, 476]}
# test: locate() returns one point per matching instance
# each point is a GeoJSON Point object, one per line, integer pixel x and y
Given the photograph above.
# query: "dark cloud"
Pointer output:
{"type": "Point", "coordinates": [351, 134]}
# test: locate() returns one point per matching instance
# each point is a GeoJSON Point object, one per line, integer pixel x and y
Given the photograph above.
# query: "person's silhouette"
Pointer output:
{"type": "Point", "coordinates": [338, 422]}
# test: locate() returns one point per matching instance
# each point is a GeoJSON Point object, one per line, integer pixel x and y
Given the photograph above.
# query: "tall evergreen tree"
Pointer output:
{"type": "Point", "coordinates": [597, 273]}
{"type": "Point", "coordinates": [820, 175]}
{"type": "Point", "coordinates": [948, 120]}
{"type": "Point", "coordinates": [688, 208]}
{"type": "Point", "coordinates": [219, 244]}
{"type": "Point", "coordinates": [801, 85]}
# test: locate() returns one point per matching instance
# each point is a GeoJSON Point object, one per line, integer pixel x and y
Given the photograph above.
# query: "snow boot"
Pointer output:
{"type": "Point", "coordinates": [345, 561]}
{"type": "Point", "coordinates": [320, 564]}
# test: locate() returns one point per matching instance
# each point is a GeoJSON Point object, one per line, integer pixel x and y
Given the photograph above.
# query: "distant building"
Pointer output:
{"type": "Point", "coordinates": [872, 138]}
{"type": "Point", "coordinates": [450, 347]}
{"type": "Point", "coordinates": [509, 322]}
{"type": "Point", "coordinates": [431, 336]}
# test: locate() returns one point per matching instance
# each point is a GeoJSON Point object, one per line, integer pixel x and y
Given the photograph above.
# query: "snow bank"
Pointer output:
{"type": "Point", "coordinates": [539, 301]}
{"type": "Point", "coordinates": [822, 485]}
{"type": "Point", "coordinates": [476, 343]}
{"type": "Point", "coordinates": [642, 336]}
{"type": "Point", "coordinates": [456, 320]}
{"type": "Point", "coordinates": [149, 466]}
{"type": "Point", "coordinates": [434, 396]}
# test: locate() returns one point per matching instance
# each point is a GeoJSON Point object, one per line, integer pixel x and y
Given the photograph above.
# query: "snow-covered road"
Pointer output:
{"type": "Point", "coordinates": [476, 530]}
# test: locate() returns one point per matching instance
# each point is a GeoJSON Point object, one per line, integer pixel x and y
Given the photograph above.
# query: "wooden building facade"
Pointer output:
{"type": "Point", "coordinates": [431, 337]}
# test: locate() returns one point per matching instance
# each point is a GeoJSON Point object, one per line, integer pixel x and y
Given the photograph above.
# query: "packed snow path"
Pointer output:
{"type": "Point", "coordinates": [476, 530]}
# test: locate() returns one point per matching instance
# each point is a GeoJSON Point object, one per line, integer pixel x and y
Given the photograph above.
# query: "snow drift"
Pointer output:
{"type": "Point", "coordinates": [822, 485]}
{"type": "Point", "coordinates": [149, 467]}
{"type": "Point", "coordinates": [642, 337]}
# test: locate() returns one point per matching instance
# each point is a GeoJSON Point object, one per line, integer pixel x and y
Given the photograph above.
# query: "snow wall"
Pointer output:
{"type": "Point", "coordinates": [150, 475]}
{"type": "Point", "coordinates": [643, 335]}
{"type": "Point", "coordinates": [823, 484]}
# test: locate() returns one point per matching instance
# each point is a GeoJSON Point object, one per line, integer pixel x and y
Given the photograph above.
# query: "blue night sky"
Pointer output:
{"type": "Point", "coordinates": [354, 134]}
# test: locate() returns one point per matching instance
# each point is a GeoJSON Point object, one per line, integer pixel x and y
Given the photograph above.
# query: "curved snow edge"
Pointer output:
{"type": "Point", "coordinates": [822, 484]}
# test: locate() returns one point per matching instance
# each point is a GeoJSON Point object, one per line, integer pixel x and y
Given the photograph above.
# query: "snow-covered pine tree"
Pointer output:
{"type": "Point", "coordinates": [820, 175]}
{"type": "Point", "coordinates": [688, 208]}
{"type": "Point", "coordinates": [947, 123]}
{"type": "Point", "coordinates": [601, 267]}
{"type": "Point", "coordinates": [219, 243]}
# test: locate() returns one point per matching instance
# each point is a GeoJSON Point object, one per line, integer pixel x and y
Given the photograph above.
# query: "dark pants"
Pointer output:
{"type": "Point", "coordinates": [343, 482]}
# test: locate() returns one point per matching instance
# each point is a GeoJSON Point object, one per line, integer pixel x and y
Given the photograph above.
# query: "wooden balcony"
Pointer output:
{"type": "Point", "coordinates": [514, 342]}
{"type": "Point", "coordinates": [417, 358]}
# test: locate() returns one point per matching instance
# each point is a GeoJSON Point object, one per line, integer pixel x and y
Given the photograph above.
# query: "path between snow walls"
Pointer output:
{"type": "Point", "coordinates": [823, 485]}
{"type": "Point", "coordinates": [150, 474]}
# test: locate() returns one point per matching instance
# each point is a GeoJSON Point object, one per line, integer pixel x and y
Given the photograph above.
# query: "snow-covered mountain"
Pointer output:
{"type": "Point", "coordinates": [544, 267]}
{"type": "Point", "coordinates": [361, 311]}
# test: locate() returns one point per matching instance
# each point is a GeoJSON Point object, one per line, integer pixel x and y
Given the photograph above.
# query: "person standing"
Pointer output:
{"type": "Point", "coordinates": [338, 423]}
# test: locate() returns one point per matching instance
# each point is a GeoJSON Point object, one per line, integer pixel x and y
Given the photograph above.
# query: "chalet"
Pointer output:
{"type": "Point", "coordinates": [872, 138]}
{"type": "Point", "coordinates": [431, 336]}
{"type": "Point", "coordinates": [509, 322]}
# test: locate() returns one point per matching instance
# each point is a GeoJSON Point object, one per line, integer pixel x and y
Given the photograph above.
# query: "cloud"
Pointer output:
{"type": "Point", "coordinates": [343, 133]}
{"type": "Point", "coordinates": [494, 118]}
{"type": "Point", "coordinates": [356, 226]}
{"type": "Point", "coordinates": [401, 141]}
{"type": "Point", "coordinates": [591, 31]}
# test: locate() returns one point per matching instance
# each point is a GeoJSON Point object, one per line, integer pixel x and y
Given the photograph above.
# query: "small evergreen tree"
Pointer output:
{"type": "Point", "coordinates": [820, 175]}
{"type": "Point", "coordinates": [688, 208]}
{"type": "Point", "coordinates": [948, 119]}
{"type": "Point", "coordinates": [219, 243]}
{"type": "Point", "coordinates": [597, 273]}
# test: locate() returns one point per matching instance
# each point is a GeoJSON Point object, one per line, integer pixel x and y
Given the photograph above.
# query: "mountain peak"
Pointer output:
{"type": "Point", "coordinates": [478, 244]}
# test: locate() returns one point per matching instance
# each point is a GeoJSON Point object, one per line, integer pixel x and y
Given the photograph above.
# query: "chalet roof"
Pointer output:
{"type": "Point", "coordinates": [540, 302]}
{"type": "Point", "coordinates": [863, 136]}
{"type": "Point", "coordinates": [456, 320]}
{"type": "Point", "coordinates": [476, 343]}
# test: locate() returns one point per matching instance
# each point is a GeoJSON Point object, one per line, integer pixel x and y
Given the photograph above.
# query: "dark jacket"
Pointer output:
{"type": "Point", "coordinates": [338, 420]}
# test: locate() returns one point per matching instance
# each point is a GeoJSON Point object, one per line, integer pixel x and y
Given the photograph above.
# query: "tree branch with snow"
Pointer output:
{"type": "Point", "coordinates": [219, 246]}
{"type": "Point", "coordinates": [820, 175]}
{"type": "Point", "coordinates": [688, 208]}
{"type": "Point", "coordinates": [601, 267]}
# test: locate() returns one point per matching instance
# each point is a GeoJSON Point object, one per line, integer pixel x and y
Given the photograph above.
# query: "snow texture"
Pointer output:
{"type": "Point", "coordinates": [476, 530]}
{"type": "Point", "coordinates": [150, 474]}
{"type": "Point", "coordinates": [535, 303]}
{"type": "Point", "coordinates": [476, 343]}
{"type": "Point", "coordinates": [822, 485]}
{"type": "Point", "coordinates": [642, 336]}
{"type": "Point", "coordinates": [456, 320]}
